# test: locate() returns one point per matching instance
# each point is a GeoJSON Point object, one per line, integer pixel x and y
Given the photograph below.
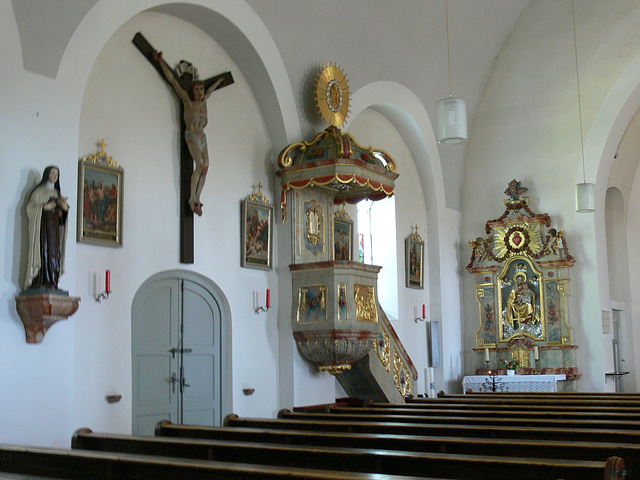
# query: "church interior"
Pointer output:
{"type": "Point", "coordinates": [277, 261]}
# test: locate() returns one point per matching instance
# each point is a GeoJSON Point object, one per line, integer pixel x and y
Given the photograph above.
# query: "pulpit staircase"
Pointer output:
{"type": "Point", "coordinates": [386, 373]}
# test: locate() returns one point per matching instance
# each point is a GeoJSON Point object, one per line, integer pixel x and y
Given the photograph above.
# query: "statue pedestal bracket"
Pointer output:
{"type": "Point", "coordinates": [39, 311]}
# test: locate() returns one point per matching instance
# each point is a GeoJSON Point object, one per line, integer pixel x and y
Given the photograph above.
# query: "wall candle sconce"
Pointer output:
{"type": "Point", "coordinates": [107, 288]}
{"type": "Point", "coordinates": [424, 314]}
{"type": "Point", "coordinates": [260, 308]}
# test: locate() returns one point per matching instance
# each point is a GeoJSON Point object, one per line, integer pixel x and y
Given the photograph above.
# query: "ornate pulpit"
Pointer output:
{"type": "Point", "coordinates": [521, 268]}
{"type": "Point", "coordinates": [335, 314]}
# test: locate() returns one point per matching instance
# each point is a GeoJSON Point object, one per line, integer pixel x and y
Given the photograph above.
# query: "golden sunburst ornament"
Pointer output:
{"type": "Point", "coordinates": [516, 239]}
{"type": "Point", "coordinates": [332, 95]}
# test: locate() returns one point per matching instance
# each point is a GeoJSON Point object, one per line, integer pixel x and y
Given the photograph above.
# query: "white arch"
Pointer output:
{"type": "Point", "coordinates": [407, 114]}
{"type": "Point", "coordinates": [604, 136]}
{"type": "Point", "coordinates": [617, 110]}
{"type": "Point", "coordinates": [403, 109]}
{"type": "Point", "coordinates": [253, 49]}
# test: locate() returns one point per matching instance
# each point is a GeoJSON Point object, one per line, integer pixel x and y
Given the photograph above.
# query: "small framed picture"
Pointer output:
{"type": "Point", "coordinates": [257, 231]}
{"type": "Point", "coordinates": [342, 236]}
{"type": "Point", "coordinates": [414, 253]}
{"type": "Point", "coordinates": [100, 190]}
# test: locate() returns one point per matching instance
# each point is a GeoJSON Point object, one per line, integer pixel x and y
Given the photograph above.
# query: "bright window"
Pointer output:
{"type": "Point", "coordinates": [377, 246]}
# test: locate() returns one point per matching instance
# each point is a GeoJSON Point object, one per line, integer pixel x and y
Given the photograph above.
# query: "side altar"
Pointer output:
{"type": "Point", "coordinates": [521, 271]}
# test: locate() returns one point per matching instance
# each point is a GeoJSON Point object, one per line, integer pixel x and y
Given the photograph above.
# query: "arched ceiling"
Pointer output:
{"type": "Point", "coordinates": [45, 30]}
{"type": "Point", "coordinates": [478, 30]}
{"type": "Point", "coordinates": [375, 40]}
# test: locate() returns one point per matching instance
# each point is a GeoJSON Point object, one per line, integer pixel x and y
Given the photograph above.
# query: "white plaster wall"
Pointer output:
{"type": "Point", "coordinates": [34, 396]}
{"type": "Point", "coordinates": [128, 103]}
{"type": "Point", "coordinates": [632, 317]}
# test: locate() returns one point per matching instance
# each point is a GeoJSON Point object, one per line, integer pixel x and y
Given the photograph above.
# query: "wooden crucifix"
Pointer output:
{"type": "Point", "coordinates": [193, 94]}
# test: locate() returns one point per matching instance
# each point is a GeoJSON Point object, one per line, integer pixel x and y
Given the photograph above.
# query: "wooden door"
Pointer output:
{"type": "Point", "coordinates": [201, 379]}
{"type": "Point", "coordinates": [176, 354]}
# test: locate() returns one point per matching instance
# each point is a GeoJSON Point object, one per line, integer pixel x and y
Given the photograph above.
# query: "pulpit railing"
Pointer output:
{"type": "Point", "coordinates": [394, 357]}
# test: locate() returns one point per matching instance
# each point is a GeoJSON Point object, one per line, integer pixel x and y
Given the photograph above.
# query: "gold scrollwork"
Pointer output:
{"type": "Point", "coordinates": [383, 349]}
{"type": "Point", "coordinates": [102, 157]}
{"type": "Point", "coordinates": [335, 369]}
{"type": "Point", "coordinates": [314, 224]}
{"type": "Point", "coordinates": [365, 302]}
{"type": "Point", "coordinates": [259, 197]}
{"type": "Point", "coordinates": [401, 376]}
{"type": "Point", "coordinates": [342, 214]}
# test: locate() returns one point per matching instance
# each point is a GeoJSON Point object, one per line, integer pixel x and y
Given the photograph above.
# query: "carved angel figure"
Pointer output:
{"type": "Point", "coordinates": [481, 249]}
{"type": "Point", "coordinates": [555, 243]}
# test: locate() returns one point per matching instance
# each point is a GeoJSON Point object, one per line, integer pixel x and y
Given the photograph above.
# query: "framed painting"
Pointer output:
{"type": "Point", "coordinates": [414, 253]}
{"type": "Point", "coordinates": [100, 190]}
{"type": "Point", "coordinates": [342, 236]}
{"type": "Point", "coordinates": [257, 231]}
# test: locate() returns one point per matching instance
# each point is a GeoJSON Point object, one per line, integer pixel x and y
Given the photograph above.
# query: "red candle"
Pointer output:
{"type": "Point", "coordinates": [107, 282]}
{"type": "Point", "coordinates": [268, 298]}
{"type": "Point", "coordinates": [424, 311]}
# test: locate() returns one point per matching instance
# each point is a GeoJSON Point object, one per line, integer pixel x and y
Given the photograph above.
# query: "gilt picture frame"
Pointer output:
{"type": "Point", "coordinates": [100, 200]}
{"type": "Point", "coordinates": [257, 232]}
{"type": "Point", "coordinates": [414, 265]}
{"type": "Point", "coordinates": [342, 237]}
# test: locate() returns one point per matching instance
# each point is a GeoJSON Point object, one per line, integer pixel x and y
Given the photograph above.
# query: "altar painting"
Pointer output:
{"type": "Point", "coordinates": [521, 300]}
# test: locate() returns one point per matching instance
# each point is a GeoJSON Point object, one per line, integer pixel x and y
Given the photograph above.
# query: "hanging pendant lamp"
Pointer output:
{"type": "Point", "coordinates": [585, 192]}
{"type": "Point", "coordinates": [452, 112]}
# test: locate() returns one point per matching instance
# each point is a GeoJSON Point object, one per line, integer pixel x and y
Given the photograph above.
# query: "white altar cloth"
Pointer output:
{"type": "Point", "coordinates": [513, 383]}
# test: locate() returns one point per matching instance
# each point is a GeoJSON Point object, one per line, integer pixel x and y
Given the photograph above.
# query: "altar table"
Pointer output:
{"type": "Point", "coordinates": [512, 383]}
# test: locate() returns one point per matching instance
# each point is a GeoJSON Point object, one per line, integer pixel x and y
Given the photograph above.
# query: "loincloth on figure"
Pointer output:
{"type": "Point", "coordinates": [200, 141]}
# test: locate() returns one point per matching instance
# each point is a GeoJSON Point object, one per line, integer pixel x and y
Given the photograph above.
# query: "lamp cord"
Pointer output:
{"type": "Point", "coordinates": [575, 47]}
{"type": "Point", "coordinates": [446, 5]}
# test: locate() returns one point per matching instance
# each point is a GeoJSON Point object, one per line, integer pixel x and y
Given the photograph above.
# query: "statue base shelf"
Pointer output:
{"type": "Point", "coordinates": [40, 310]}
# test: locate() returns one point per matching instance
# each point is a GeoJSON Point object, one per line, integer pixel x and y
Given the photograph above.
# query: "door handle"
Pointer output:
{"type": "Point", "coordinates": [187, 350]}
{"type": "Point", "coordinates": [174, 380]}
{"type": "Point", "coordinates": [185, 384]}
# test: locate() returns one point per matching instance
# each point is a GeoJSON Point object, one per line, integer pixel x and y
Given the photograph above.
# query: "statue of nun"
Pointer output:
{"type": "Point", "coordinates": [47, 211]}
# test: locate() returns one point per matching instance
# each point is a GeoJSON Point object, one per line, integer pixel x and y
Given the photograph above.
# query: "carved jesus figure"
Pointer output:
{"type": "Point", "coordinates": [195, 119]}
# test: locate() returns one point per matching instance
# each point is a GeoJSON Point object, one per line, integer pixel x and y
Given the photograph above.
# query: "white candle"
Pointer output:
{"type": "Point", "coordinates": [486, 354]}
{"type": "Point", "coordinates": [536, 354]}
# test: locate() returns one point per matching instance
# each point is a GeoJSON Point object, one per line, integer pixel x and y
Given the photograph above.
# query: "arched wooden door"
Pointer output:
{"type": "Point", "coordinates": [176, 336]}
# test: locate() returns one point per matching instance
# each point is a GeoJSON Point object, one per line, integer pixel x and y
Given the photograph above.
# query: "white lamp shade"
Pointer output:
{"type": "Point", "coordinates": [585, 197]}
{"type": "Point", "coordinates": [452, 121]}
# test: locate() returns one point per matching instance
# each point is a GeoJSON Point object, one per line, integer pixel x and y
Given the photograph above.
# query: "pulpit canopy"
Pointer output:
{"type": "Point", "coordinates": [335, 164]}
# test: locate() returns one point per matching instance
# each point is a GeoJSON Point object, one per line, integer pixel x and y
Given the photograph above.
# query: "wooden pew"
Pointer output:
{"type": "Point", "coordinates": [532, 422]}
{"type": "Point", "coordinates": [550, 399]}
{"type": "Point", "coordinates": [412, 443]}
{"type": "Point", "coordinates": [17, 476]}
{"type": "Point", "coordinates": [438, 429]}
{"type": "Point", "coordinates": [84, 465]}
{"type": "Point", "coordinates": [609, 395]}
{"type": "Point", "coordinates": [558, 414]}
{"type": "Point", "coordinates": [419, 464]}
{"type": "Point", "coordinates": [512, 406]}
{"type": "Point", "coordinates": [428, 406]}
